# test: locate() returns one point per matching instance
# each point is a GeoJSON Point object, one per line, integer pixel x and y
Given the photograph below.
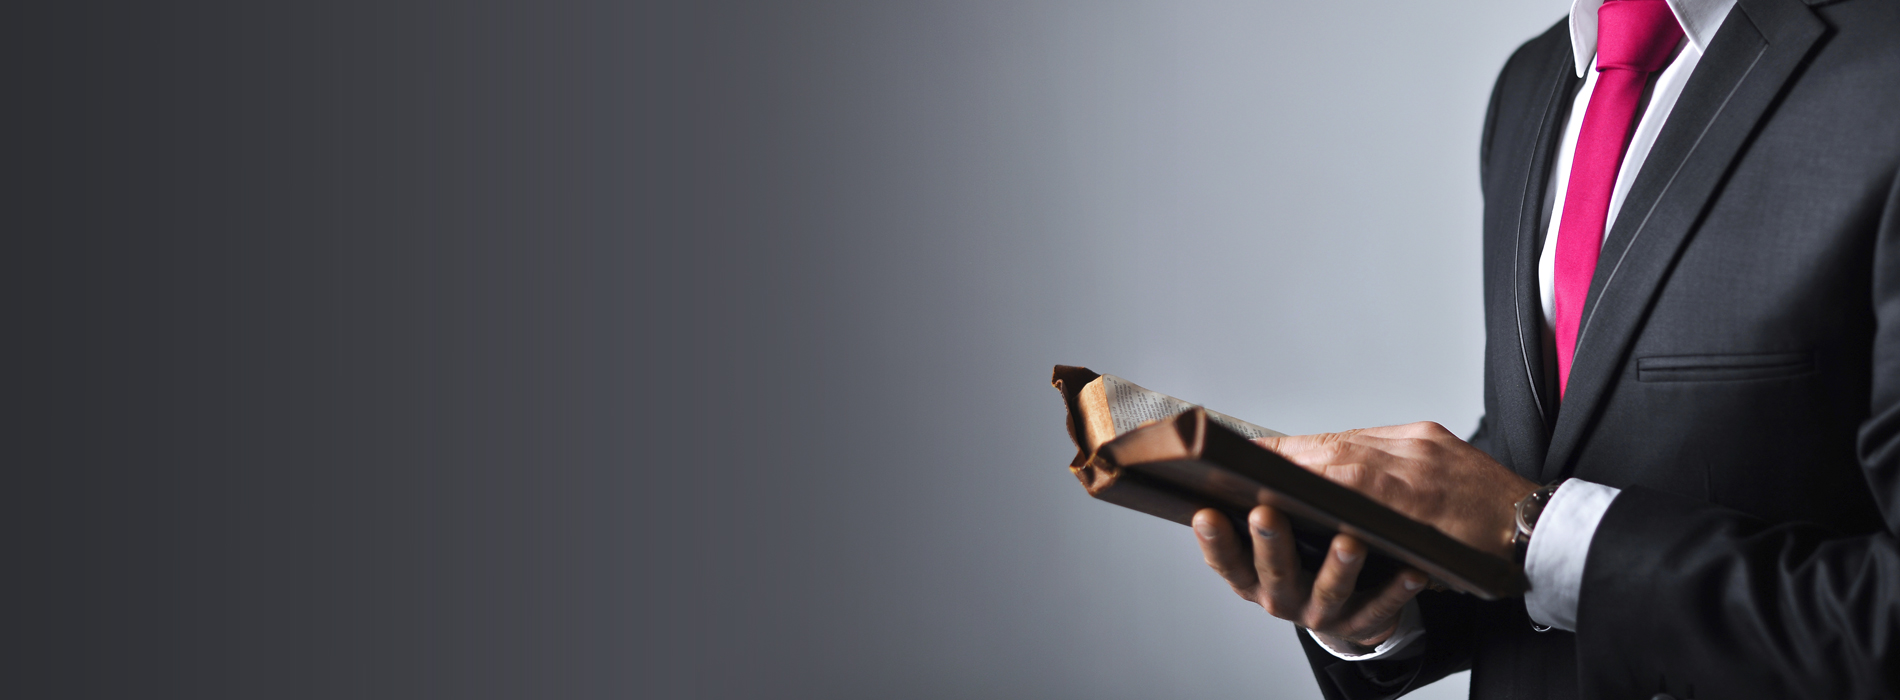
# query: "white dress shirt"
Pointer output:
{"type": "Point", "coordinates": [1554, 563]}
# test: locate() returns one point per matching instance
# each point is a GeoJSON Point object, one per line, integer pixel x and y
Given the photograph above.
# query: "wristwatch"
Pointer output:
{"type": "Point", "coordinates": [1528, 511]}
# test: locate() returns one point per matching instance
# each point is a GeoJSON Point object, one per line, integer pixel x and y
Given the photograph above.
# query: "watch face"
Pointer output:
{"type": "Point", "coordinates": [1528, 510]}
{"type": "Point", "coordinates": [1531, 507]}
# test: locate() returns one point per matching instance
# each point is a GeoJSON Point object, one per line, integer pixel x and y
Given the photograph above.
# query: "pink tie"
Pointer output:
{"type": "Point", "coordinates": [1634, 39]}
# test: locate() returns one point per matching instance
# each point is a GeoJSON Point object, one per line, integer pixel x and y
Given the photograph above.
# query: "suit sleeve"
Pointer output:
{"type": "Point", "coordinates": [1679, 592]}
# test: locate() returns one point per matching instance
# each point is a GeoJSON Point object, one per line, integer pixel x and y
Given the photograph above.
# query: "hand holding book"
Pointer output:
{"type": "Point", "coordinates": [1196, 459]}
{"type": "Point", "coordinates": [1437, 505]}
{"type": "Point", "coordinates": [1383, 463]}
{"type": "Point", "coordinates": [1328, 601]}
{"type": "Point", "coordinates": [1422, 471]}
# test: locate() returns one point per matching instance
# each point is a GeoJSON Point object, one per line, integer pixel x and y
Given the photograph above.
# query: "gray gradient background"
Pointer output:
{"type": "Point", "coordinates": [700, 350]}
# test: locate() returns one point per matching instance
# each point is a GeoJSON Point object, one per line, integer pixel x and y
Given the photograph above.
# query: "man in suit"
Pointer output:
{"type": "Point", "coordinates": [1692, 379]}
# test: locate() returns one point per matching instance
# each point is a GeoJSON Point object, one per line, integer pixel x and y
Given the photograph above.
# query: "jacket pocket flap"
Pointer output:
{"type": "Point", "coordinates": [1717, 368]}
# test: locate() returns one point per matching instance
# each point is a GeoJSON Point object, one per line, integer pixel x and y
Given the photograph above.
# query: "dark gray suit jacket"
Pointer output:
{"type": "Point", "coordinates": [1737, 375]}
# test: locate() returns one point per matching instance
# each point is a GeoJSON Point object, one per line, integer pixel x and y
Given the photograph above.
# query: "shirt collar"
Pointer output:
{"type": "Point", "coordinates": [1699, 20]}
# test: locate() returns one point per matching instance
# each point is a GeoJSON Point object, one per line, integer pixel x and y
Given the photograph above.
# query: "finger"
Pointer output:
{"type": "Point", "coordinates": [1343, 451]}
{"type": "Point", "coordinates": [1409, 447]}
{"type": "Point", "coordinates": [1295, 444]}
{"type": "Point", "coordinates": [1221, 548]}
{"type": "Point", "coordinates": [1276, 563]}
{"type": "Point", "coordinates": [1422, 429]}
{"type": "Point", "coordinates": [1334, 582]}
{"type": "Point", "coordinates": [1376, 619]}
{"type": "Point", "coordinates": [1288, 444]}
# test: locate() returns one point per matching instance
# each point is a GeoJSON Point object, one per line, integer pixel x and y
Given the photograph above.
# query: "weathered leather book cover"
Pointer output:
{"type": "Point", "coordinates": [1174, 467]}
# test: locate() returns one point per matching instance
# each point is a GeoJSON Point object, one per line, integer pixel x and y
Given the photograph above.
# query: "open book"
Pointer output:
{"type": "Point", "coordinates": [1166, 457]}
{"type": "Point", "coordinates": [1111, 406]}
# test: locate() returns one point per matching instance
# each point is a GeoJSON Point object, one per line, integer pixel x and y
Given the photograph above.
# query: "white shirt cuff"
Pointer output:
{"type": "Point", "coordinates": [1411, 629]}
{"type": "Point", "coordinates": [1554, 563]}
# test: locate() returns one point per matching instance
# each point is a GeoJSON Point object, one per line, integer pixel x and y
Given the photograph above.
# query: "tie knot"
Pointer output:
{"type": "Point", "coordinates": [1636, 35]}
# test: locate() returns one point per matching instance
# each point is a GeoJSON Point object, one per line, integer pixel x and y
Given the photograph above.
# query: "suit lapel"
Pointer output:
{"type": "Point", "coordinates": [1525, 383]}
{"type": "Point", "coordinates": [1758, 48]}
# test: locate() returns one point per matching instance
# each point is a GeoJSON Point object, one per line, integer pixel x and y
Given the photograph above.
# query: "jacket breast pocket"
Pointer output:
{"type": "Point", "coordinates": [1723, 368]}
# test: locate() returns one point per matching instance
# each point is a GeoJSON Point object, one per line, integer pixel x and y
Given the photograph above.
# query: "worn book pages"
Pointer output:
{"type": "Point", "coordinates": [1111, 406]}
